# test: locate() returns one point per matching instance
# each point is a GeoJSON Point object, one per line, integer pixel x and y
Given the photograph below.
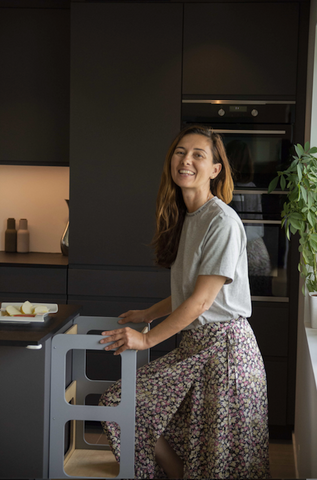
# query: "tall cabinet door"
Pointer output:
{"type": "Point", "coordinates": [241, 48]}
{"type": "Point", "coordinates": [125, 110]}
{"type": "Point", "coordinates": [34, 84]}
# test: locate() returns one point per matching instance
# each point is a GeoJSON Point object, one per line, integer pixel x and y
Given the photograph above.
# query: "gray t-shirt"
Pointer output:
{"type": "Point", "coordinates": [213, 242]}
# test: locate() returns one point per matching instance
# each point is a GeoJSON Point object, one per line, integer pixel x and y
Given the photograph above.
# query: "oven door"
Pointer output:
{"type": "Point", "coordinates": [267, 244]}
{"type": "Point", "coordinates": [256, 152]}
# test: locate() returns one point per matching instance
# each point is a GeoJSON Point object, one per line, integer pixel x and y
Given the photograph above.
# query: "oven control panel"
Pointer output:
{"type": "Point", "coordinates": [202, 111]}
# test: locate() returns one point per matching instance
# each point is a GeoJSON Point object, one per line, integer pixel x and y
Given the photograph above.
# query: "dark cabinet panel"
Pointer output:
{"type": "Point", "coordinates": [33, 298]}
{"type": "Point", "coordinates": [34, 86]}
{"type": "Point", "coordinates": [125, 110]}
{"type": "Point", "coordinates": [276, 372]}
{"type": "Point", "coordinates": [107, 307]}
{"type": "Point", "coordinates": [241, 48]}
{"type": "Point", "coordinates": [119, 283]}
{"type": "Point", "coordinates": [24, 371]}
{"type": "Point", "coordinates": [26, 374]}
{"type": "Point", "coordinates": [33, 280]}
{"type": "Point", "coordinates": [269, 322]}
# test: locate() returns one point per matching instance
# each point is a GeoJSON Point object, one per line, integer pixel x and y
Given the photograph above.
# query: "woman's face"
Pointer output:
{"type": "Point", "coordinates": [192, 164]}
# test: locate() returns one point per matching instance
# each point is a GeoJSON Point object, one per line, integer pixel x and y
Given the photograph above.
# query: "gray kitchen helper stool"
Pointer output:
{"type": "Point", "coordinates": [62, 411]}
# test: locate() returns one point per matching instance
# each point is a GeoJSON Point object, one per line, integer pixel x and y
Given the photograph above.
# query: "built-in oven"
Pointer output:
{"type": "Point", "coordinates": [258, 138]}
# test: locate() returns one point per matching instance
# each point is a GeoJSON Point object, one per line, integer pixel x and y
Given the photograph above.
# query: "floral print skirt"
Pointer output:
{"type": "Point", "coordinates": [208, 398]}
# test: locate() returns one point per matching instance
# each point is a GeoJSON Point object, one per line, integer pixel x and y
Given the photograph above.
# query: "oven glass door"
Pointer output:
{"type": "Point", "coordinates": [256, 152]}
{"type": "Point", "coordinates": [267, 243]}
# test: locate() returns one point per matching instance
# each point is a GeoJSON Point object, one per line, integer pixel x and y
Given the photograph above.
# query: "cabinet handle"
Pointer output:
{"type": "Point", "coordinates": [34, 347]}
{"type": "Point", "coordinates": [252, 132]}
{"type": "Point", "coordinates": [264, 222]}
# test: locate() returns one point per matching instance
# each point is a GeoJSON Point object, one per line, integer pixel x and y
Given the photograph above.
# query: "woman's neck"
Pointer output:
{"type": "Point", "coordinates": [194, 201]}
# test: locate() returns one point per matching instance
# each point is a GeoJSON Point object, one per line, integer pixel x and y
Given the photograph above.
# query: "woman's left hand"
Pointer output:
{"type": "Point", "coordinates": [125, 339]}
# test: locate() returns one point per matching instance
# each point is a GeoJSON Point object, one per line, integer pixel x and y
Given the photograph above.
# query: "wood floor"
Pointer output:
{"type": "Point", "coordinates": [281, 459]}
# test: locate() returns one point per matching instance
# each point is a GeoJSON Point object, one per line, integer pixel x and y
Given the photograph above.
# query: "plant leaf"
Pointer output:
{"type": "Point", "coordinates": [311, 219]}
{"type": "Point", "coordinates": [304, 193]}
{"type": "Point", "coordinates": [295, 219]}
{"type": "Point", "coordinates": [299, 172]}
{"type": "Point", "coordinates": [306, 146]}
{"type": "Point", "coordinates": [313, 241]}
{"type": "Point", "coordinates": [273, 184]}
{"type": "Point", "coordinates": [299, 150]}
{"type": "Point", "coordinates": [283, 182]}
{"type": "Point", "coordinates": [293, 229]}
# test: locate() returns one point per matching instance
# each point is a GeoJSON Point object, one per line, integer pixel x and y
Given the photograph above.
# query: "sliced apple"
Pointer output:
{"type": "Point", "coordinates": [27, 308]}
{"type": "Point", "coordinates": [12, 310]}
{"type": "Point", "coordinates": [40, 309]}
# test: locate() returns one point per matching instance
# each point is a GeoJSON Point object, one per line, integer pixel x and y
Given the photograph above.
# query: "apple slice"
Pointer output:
{"type": "Point", "coordinates": [27, 308]}
{"type": "Point", "coordinates": [40, 309]}
{"type": "Point", "coordinates": [12, 311]}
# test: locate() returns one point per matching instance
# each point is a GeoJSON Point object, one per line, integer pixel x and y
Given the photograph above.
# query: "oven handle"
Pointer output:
{"type": "Point", "coordinates": [259, 192]}
{"type": "Point", "coordinates": [265, 222]}
{"type": "Point", "coordinates": [252, 132]}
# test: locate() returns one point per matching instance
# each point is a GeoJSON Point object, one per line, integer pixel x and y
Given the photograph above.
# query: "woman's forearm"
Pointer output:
{"type": "Point", "coordinates": [183, 316]}
{"type": "Point", "coordinates": [159, 310]}
{"type": "Point", "coordinates": [206, 290]}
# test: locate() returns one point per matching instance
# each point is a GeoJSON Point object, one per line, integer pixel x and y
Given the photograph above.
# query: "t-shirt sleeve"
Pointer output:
{"type": "Point", "coordinates": [221, 249]}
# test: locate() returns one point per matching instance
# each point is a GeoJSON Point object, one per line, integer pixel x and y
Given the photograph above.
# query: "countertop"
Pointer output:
{"type": "Point", "coordinates": [33, 259]}
{"type": "Point", "coordinates": [21, 335]}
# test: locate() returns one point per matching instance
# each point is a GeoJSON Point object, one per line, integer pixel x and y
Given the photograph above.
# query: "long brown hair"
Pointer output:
{"type": "Point", "coordinates": [170, 206]}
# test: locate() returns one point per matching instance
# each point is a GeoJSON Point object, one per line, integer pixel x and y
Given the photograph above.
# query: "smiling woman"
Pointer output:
{"type": "Point", "coordinates": [170, 206]}
{"type": "Point", "coordinates": [211, 391]}
{"type": "Point", "coordinates": [192, 169]}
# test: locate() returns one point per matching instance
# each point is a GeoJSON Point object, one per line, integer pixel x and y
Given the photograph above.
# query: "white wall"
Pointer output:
{"type": "Point", "coordinates": [305, 434]}
{"type": "Point", "coordinates": [311, 97]}
{"type": "Point", "coordinates": [313, 131]}
{"type": "Point", "coordinates": [38, 194]}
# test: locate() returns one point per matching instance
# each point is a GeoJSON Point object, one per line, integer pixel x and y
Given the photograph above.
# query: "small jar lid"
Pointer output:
{"type": "Point", "coordinates": [11, 223]}
{"type": "Point", "coordinates": [23, 224]}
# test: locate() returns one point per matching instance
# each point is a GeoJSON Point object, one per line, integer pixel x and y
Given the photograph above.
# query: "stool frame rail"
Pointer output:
{"type": "Point", "coordinates": [62, 411]}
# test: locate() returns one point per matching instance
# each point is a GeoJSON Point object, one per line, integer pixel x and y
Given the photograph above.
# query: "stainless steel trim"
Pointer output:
{"type": "Point", "coordinates": [243, 102]}
{"type": "Point", "coordinates": [265, 222]}
{"type": "Point", "coordinates": [259, 192]}
{"type": "Point", "coordinates": [270, 299]}
{"type": "Point", "coordinates": [253, 132]}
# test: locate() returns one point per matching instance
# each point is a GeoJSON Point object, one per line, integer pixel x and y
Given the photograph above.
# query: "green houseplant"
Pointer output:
{"type": "Point", "coordinates": [300, 208]}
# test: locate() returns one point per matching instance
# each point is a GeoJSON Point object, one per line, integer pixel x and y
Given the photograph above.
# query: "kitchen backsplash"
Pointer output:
{"type": "Point", "coordinates": [37, 194]}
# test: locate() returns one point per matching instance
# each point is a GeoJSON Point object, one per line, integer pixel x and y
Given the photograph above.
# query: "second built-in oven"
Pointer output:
{"type": "Point", "coordinates": [258, 139]}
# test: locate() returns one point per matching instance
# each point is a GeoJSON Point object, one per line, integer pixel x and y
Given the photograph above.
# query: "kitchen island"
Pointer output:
{"type": "Point", "coordinates": [25, 368]}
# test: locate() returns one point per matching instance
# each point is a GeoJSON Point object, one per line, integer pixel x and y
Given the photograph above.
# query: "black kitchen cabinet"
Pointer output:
{"type": "Point", "coordinates": [25, 376]}
{"type": "Point", "coordinates": [125, 111]}
{"type": "Point", "coordinates": [36, 277]}
{"type": "Point", "coordinates": [241, 48]}
{"type": "Point", "coordinates": [271, 325]}
{"type": "Point", "coordinates": [34, 84]}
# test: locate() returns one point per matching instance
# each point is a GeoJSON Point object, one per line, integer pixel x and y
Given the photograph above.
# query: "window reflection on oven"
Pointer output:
{"type": "Point", "coordinates": [267, 247]}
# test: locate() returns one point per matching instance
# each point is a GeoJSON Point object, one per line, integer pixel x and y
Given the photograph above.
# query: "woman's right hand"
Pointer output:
{"type": "Point", "coordinates": [134, 316]}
